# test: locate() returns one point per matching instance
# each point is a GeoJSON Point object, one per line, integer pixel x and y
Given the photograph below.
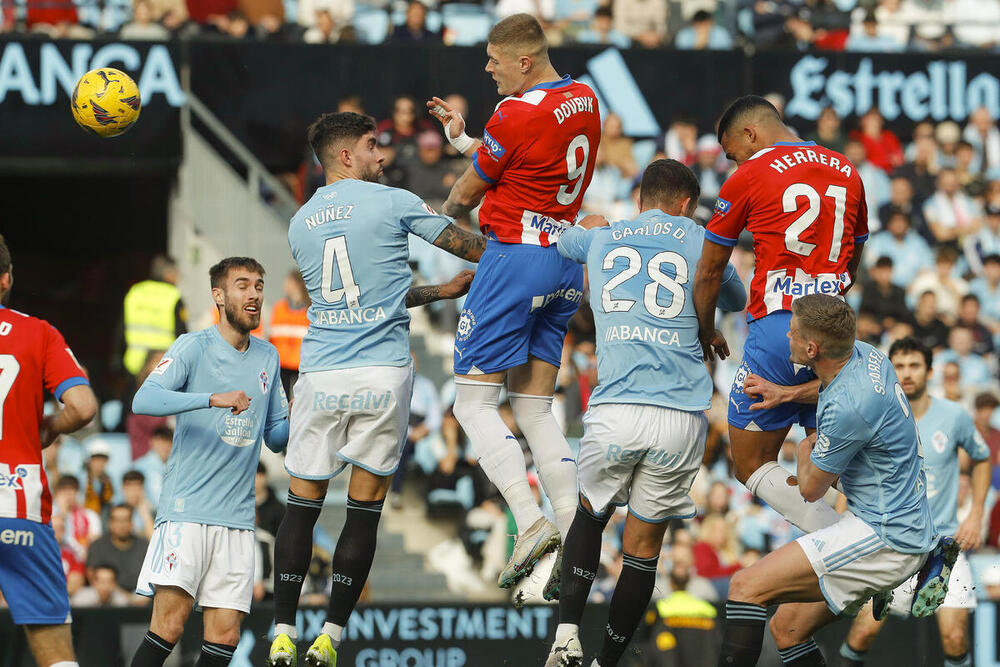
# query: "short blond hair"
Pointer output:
{"type": "Point", "coordinates": [520, 35]}
{"type": "Point", "coordinates": [829, 321]}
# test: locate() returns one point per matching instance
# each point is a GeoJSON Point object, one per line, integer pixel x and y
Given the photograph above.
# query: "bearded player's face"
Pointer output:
{"type": "Point", "coordinates": [368, 158]}
{"type": "Point", "coordinates": [243, 297]}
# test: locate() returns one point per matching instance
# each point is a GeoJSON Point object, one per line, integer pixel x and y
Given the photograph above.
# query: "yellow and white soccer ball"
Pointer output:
{"type": "Point", "coordinates": [106, 102]}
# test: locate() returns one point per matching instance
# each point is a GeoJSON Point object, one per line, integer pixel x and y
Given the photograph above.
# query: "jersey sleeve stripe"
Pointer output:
{"type": "Point", "coordinates": [720, 240]}
{"type": "Point", "coordinates": [66, 384]}
{"type": "Point", "coordinates": [479, 170]}
{"type": "Point", "coordinates": [861, 239]}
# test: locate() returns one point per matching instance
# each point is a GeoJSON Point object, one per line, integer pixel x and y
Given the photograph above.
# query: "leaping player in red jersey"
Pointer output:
{"type": "Point", "coordinates": [805, 207]}
{"type": "Point", "coordinates": [531, 169]}
{"type": "Point", "coordinates": [34, 359]}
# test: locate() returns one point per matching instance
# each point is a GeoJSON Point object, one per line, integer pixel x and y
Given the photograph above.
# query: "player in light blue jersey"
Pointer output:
{"type": "Point", "coordinates": [944, 427]}
{"type": "Point", "coordinates": [866, 436]}
{"type": "Point", "coordinates": [224, 385]}
{"type": "Point", "coordinates": [645, 426]}
{"type": "Point", "coordinates": [352, 396]}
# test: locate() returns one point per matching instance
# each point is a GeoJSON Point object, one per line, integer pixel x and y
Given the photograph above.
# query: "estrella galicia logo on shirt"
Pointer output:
{"type": "Point", "coordinates": [263, 382]}
{"type": "Point", "coordinates": [237, 430]}
{"type": "Point", "coordinates": [493, 146]}
{"type": "Point", "coordinates": [722, 206]}
{"type": "Point", "coordinates": [466, 323]}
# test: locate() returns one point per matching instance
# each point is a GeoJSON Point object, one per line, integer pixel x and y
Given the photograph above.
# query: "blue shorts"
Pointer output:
{"type": "Point", "coordinates": [519, 304]}
{"type": "Point", "coordinates": [766, 354]}
{"type": "Point", "coordinates": [31, 573]}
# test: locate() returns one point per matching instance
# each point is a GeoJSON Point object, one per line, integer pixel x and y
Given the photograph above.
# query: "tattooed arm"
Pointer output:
{"type": "Point", "coordinates": [461, 243]}
{"type": "Point", "coordinates": [454, 288]}
{"type": "Point", "coordinates": [466, 194]}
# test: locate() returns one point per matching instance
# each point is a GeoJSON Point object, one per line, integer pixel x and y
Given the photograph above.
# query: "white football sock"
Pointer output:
{"type": "Point", "coordinates": [770, 483]}
{"type": "Point", "coordinates": [551, 453]}
{"type": "Point", "coordinates": [65, 663]}
{"type": "Point", "coordinates": [498, 450]}
{"type": "Point", "coordinates": [286, 629]}
{"type": "Point", "coordinates": [335, 632]}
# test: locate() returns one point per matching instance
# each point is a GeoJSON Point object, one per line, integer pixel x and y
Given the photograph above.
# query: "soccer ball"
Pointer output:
{"type": "Point", "coordinates": [106, 102]}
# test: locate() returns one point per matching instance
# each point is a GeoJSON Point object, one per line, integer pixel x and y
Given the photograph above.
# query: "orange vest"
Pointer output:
{"type": "Point", "coordinates": [288, 327]}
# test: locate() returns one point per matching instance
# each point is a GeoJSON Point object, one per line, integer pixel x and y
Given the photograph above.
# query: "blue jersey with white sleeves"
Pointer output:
{"type": "Point", "coordinates": [210, 472]}
{"type": "Point", "coordinates": [641, 274]}
{"type": "Point", "coordinates": [944, 428]}
{"type": "Point", "coordinates": [350, 242]}
{"type": "Point", "coordinates": [867, 435]}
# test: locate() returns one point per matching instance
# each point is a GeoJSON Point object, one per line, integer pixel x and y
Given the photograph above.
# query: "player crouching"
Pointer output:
{"type": "Point", "coordinates": [867, 436]}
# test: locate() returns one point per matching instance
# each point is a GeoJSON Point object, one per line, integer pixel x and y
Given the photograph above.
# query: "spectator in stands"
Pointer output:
{"type": "Point", "coordinates": [683, 576]}
{"type": "Point", "coordinates": [971, 181]}
{"type": "Point", "coordinates": [901, 200]}
{"type": "Point", "coordinates": [947, 135]}
{"type": "Point", "coordinates": [235, 25]}
{"type": "Point", "coordinates": [325, 30]}
{"type": "Point", "coordinates": [401, 130]}
{"type": "Point", "coordinates": [210, 12]}
{"type": "Point", "coordinates": [985, 242]}
{"type": "Point", "coordinates": [102, 592]}
{"type": "Point", "coordinates": [908, 251]}
{"type": "Point", "coordinates": [289, 323]}
{"type": "Point", "coordinates": [58, 19]}
{"type": "Point", "coordinates": [973, 368]}
{"type": "Point", "coordinates": [119, 548]}
{"type": "Point", "coordinates": [951, 382]}
{"type": "Point", "coordinates": [153, 314]}
{"type": "Point", "coordinates": [73, 556]}
{"type": "Point", "coordinates": [83, 525]}
{"type": "Point", "coordinates": [266, 16]}
{"type": "Point", "coordinates": [876, 181]}
{"type": "Point", "coordinates": [140, 428]}
{"type": "Point", "coordinates": [969, 317]}
{"type": "Point", "coordinates": [870, 39]}
{"type": "Point", "coordinates": [134, 495]}
{"type": "Point", "coordinates": [642, 21]}
{"type": "Point", "coordinates": [681, 140]}
{"type": "Point", "coordinates": [714, 553]}
{"type": "Point", "coordinates": [942, 280]}
{"type": "Point", "coordinates": [429, 176]}
{"type": "Point", "coordinates": [153, 465]}
{"type": "Point", "coordinates": [882, 147]}
{"type": "Point", "coordinates": [703, 33]}
{"type": "Point", "coordinates": [707, 168]}
{"type": "Point", "coordinates": [98, 492]}
{"type": "Point", "coordinates": [143, 25]}
{"type": "Point", "coordinates": [987, 288]}
{"type": "Point", "coordinates": [269, 508]}
{"type": "Point", "coordinates": [414, 28]}
{"type": "Point", "coordinates": [828, 131]}
{"type": "Point", "coordinates": [340, 12]}
{"type": "Point", "coordinates": [984, 407]}
{"type": "Point", "coordinates": [602, 31]}
{"type": "Point", "coordinates": [976, 24]}
{"type": "Point", "coordinates": [950, 213]}
{"type": "Point", "coordinates": [885, 301]}
{"type": "Point", "coordinates": [921, 171]}
{"type": "Point", "coordinates": [984, 136]}
{"type": "Point", "coordinates": [615, 150]}
{"type": "Point", "coordinates": [927, 325]}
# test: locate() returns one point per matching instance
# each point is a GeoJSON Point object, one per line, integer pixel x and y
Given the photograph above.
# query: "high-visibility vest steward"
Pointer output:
{"type": "Point", "coordinates": [150, 322]}
{"type": "Point", "coordinates": [288, 327]}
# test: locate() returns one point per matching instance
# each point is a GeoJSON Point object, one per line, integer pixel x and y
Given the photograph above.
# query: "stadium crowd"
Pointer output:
{"type": "Point", "coordinates": [931, 269]}
{"type": "Point", "coordinates": [856, 25]}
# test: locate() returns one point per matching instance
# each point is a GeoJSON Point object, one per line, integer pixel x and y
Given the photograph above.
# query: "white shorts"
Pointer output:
{"type": "Point", "coordinates": [356, 416]}
{"type": "Point", "coordinates": [212, 564]}
{"type": "Point", "coordinates": [644, 456]}
{"type": "Point", "coordinates": [961, 590]}
{"type": "Point", "coordinates": [853, 563]}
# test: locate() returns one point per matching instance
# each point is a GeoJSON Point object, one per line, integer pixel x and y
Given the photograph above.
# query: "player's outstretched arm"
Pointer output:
{"type": "Point", "coordinates": [813, 482]}
{"type": "Point", "coordinates": [970, 533]}
{"type": "Point", "coordinates": [454, 126]}
{"type": "Point", "coordinates": [853, 264]}
{"type": "Point", "coordinates": [772, 395]}
{"type": "Point", "coordinates": [466, 194]}
{"type": "Point", "coordinates": [79, 407]}
{"type": "Point", "coordinates": [461, 243]}
{"type": "Point", "coordinates": [707, 282]}
{"type": "Point", "coordinates": [454, 288]}
{"type": "Point", "coordinates": [276, 438]}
